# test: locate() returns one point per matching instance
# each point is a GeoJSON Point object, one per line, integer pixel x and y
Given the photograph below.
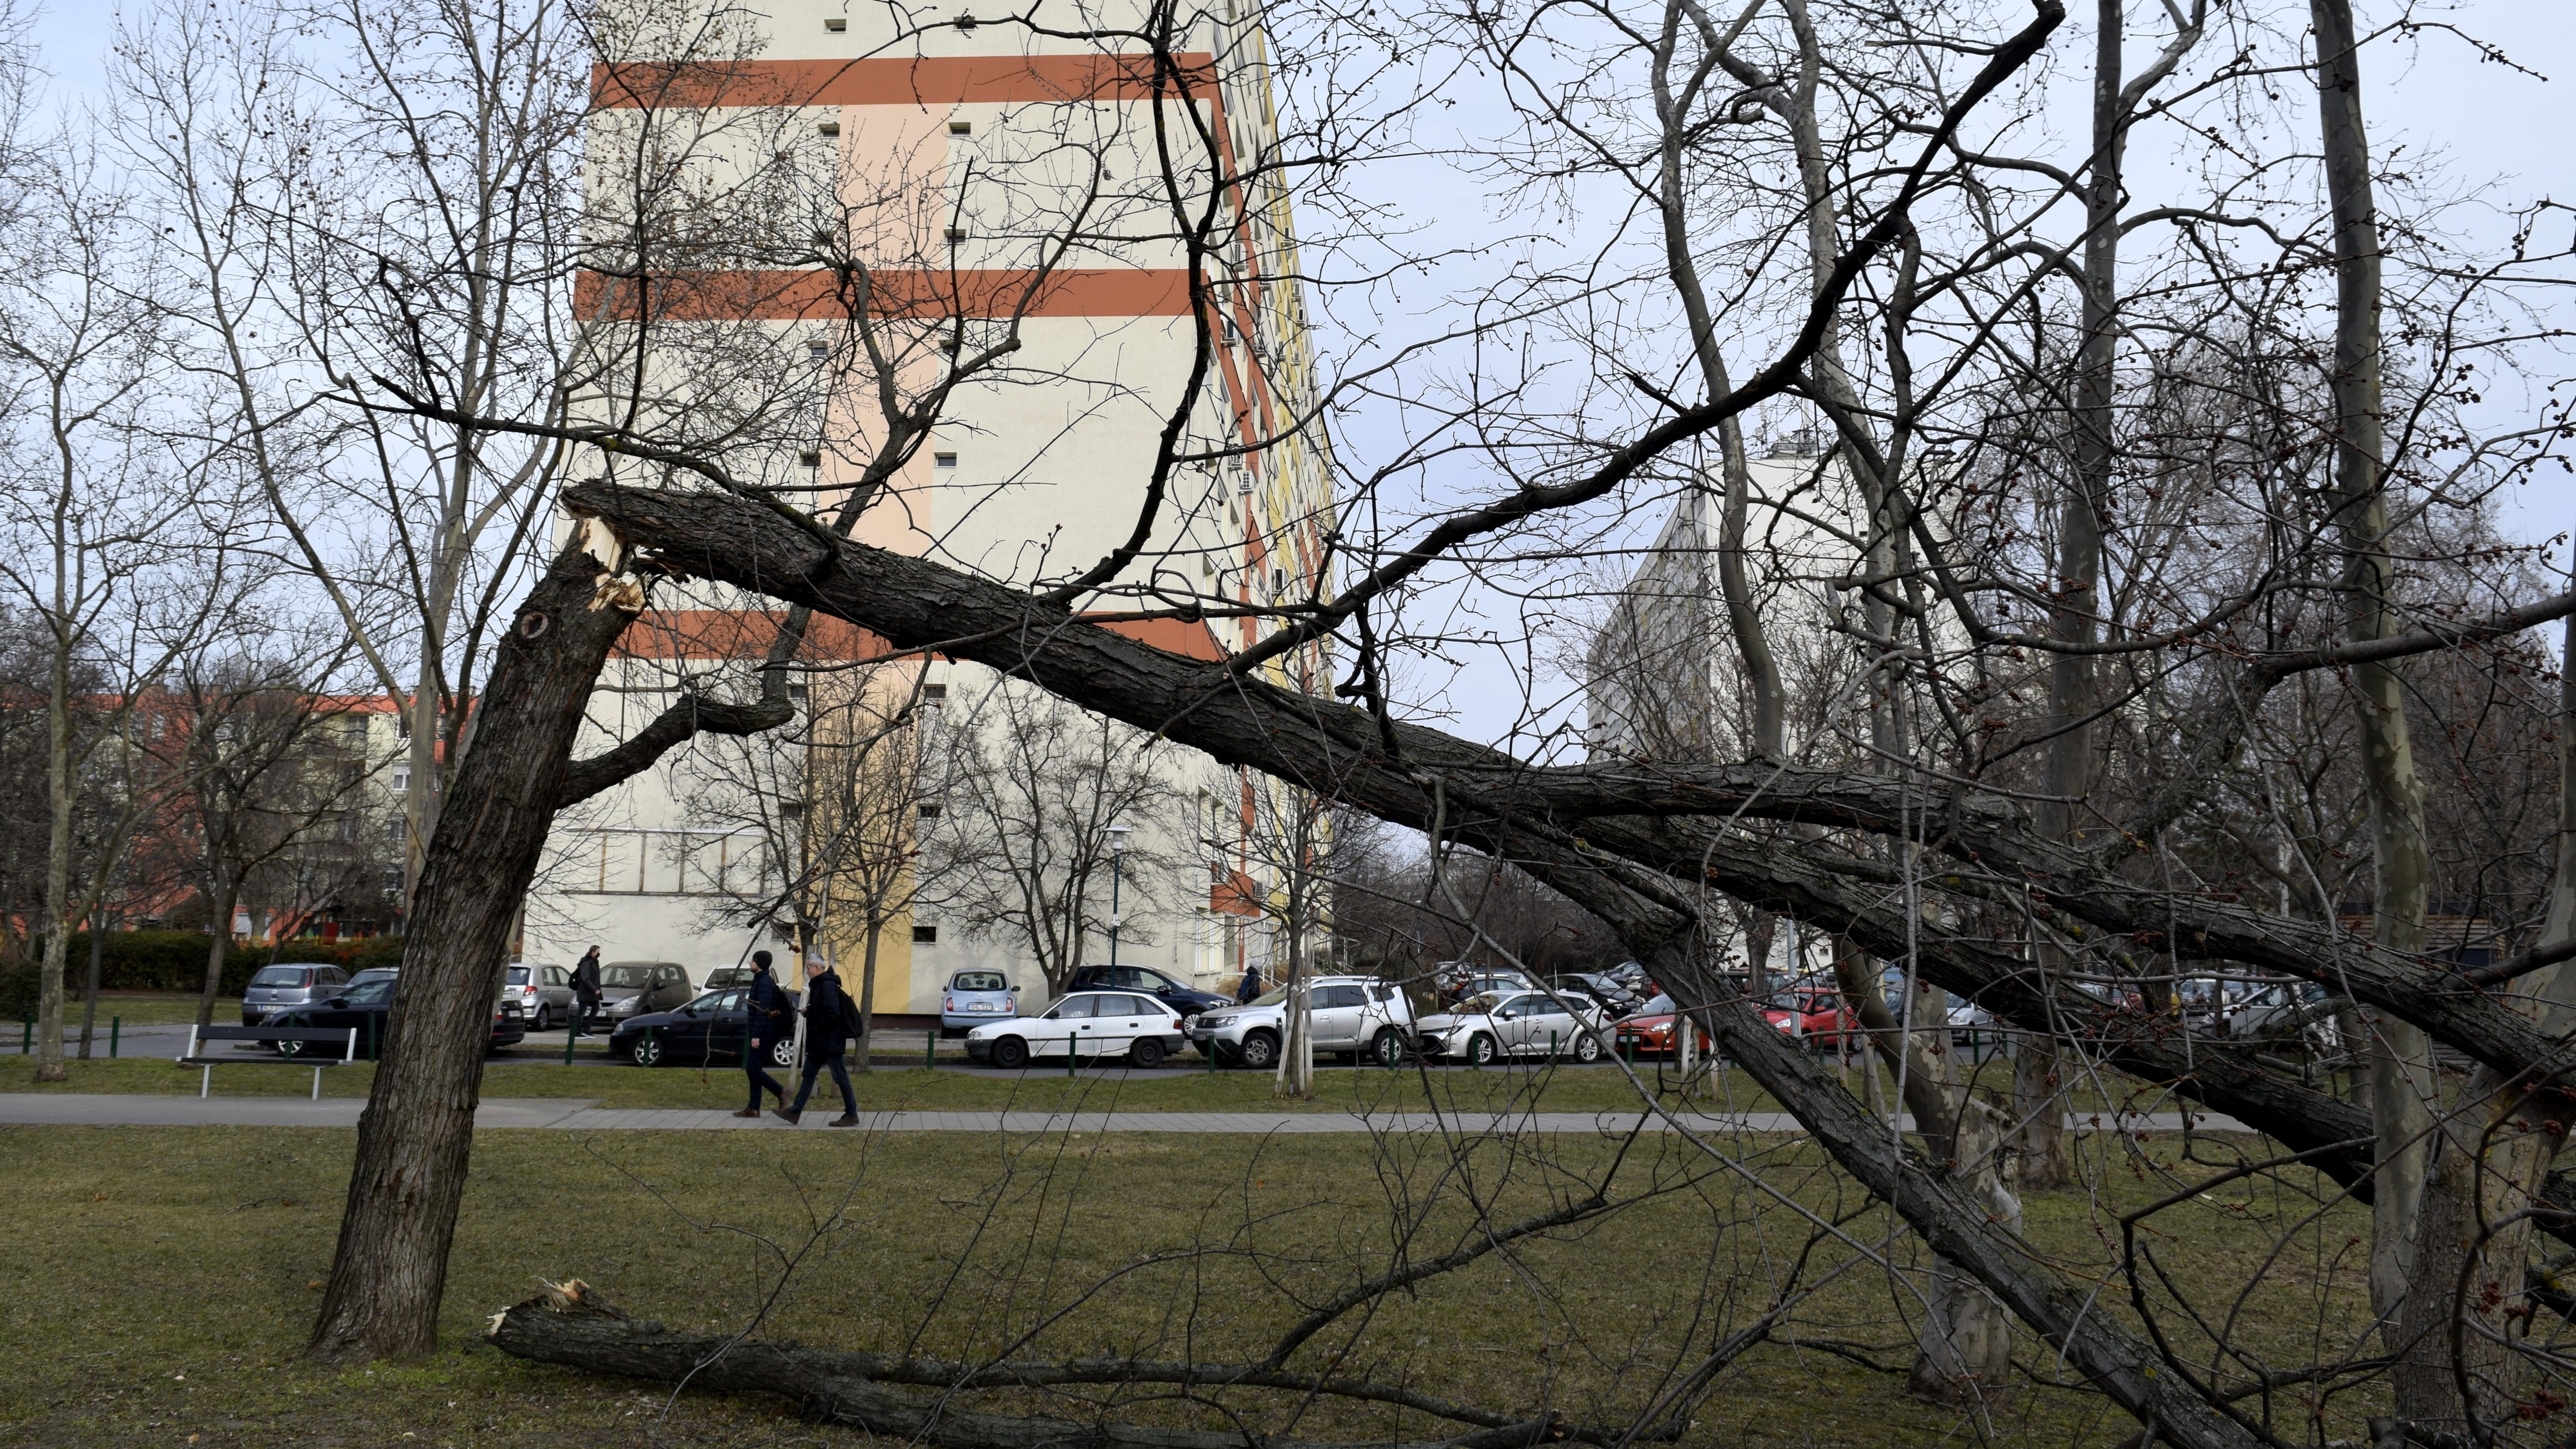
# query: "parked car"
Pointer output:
{"type": "Point", "coordinates": [640, 988]}
{"type": "Point", "coordinates": [1651, 1032]}
{"type": "Point", "coordinates": [1511, 1024]}
{"type": "Point", "coordinates": [1091, 1025]}
{"type": "Point", "coordinates": [2300, 1013]}
{"type": "Point", "coordinates": [711, 1028]}
{"type": "Point", "coordinates": [1355, 1016]}
{"type": "Point", "coordinates": [1185, 1001]}
{"type": "Point", "coordinates": [1616, 999]}
{"type": "Point", "coordinates": [975, 996]}
{"type": "Point", "coordinates": [544, 992]}
{"type": "Point", "coordinates": [729, 974]}
{"type": "Point", "coordinates": [277, 988]}
{"type": "Point", "coordinates": [368, 1007]}
{"type": "Point", "coordinates": [375, 973]}
{"type": "Point", "coordinates": [1819, 1018]}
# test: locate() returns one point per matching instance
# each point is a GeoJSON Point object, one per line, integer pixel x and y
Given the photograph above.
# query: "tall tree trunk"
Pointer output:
{"type": "Point", "coordinates": [227, 899]}
{"type": "Point", "coordinates": [391, 1267]}
{"type": "Point", "coordinates": [868, 990]}
{"type": "Point", "coordinates": [2401, 1081]}
{"type": "Point", "coordinates": [58, 870]}
{"type": "Point", "coordinates": [1296, 1074]}
{"type": "Point", "coordinates": [89, 991]}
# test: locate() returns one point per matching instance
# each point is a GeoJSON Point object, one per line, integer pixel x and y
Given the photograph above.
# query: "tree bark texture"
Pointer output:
{"type": "Point", "coordinates": [227, 896]}
{"type": "Point", "coordinates": [574, 1326]}
{"type": "Point", "coordinates": [413, 1140]}
{"type": "Point", "coordinates": [2400, 1061]}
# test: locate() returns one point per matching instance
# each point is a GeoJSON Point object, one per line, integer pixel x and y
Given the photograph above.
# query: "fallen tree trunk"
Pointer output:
{"type": "Point", "coordinates": [572, 1325]}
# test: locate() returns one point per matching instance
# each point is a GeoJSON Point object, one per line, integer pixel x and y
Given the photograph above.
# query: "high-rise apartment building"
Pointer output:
{"type": "Point", "coordinates": [941, 268]}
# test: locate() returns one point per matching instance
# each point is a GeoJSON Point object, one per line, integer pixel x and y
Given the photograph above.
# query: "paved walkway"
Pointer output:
{"type": "Point", "coordinates": [583, 1115]}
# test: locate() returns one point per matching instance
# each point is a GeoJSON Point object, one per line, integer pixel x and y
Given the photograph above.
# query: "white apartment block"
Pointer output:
{"type": "Point", "coordinates": [938, 184]}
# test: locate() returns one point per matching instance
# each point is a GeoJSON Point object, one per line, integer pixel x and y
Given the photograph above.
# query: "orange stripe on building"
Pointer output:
{"type": "Point", "coordinates": [918, 81]}
{"type": "Point", "coordinates": [1191, 638]}
{"type": "Point", "coordinates": [740, 634]}
{"type": "Point", "coordinates": [817, 296]}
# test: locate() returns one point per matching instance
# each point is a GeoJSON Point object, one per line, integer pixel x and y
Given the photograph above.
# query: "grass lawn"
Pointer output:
{"type": "Point", "coordinates": [163, 1279]}
{"type": "Point", "coordinates": [149, 1008]}
{"type": "Point", "coordinates": [912, 1088]}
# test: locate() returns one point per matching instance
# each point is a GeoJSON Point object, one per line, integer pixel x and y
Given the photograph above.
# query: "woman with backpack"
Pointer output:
{"type": "Point", "coordinates": [831, 1019]}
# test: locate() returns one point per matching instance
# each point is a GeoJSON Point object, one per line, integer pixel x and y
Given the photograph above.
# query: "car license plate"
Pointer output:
{"type": "Point", "coordinates": [981, 1006]}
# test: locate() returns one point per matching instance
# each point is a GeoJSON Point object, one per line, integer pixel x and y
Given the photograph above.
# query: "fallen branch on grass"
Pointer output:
{"type": "Point", "coordinates": [572, 1325]}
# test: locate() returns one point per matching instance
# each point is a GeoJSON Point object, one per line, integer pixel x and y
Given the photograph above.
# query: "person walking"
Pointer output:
{"type": "Point", "coordinates": [831, 1019]}
{"type": "Point", "coordinates": [585, 991]}
{"type": "Point", "coordinates": [767, 1022]}
{"type": "Point", "coordinates": [1250, 988]}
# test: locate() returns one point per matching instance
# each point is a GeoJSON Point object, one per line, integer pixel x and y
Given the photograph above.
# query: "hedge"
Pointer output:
{"type": "Point", "coordinates": [176, 961]}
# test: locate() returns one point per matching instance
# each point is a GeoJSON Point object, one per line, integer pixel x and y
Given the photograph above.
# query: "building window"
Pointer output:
{"type": "Point", "coordinates": [961, 128]}
{"type": "Point", "coordinates": [402, 780]}
{"type": "Point", "coordinates": [828, 128]}
{"type": "Point", "coordinates": [934, 691]}
{"type": "Point", "coordinates": [925, 935]}
{"type": "Point", "coordinates": [943, 460]}
{"type": "Point", "coordinates": [836, 25]}
{"type": "Point", "coordinates": [929, 812]}
{"type": "Point", "coordinates": [811, 458]}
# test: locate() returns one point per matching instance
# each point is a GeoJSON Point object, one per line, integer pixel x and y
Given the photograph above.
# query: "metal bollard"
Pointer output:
{"type": "Point", "coordinates": [113, 1023]}
{"type": "Point", "coordinates": [568, 1040]}
{"type": "Point", "coordinates": [27, 1038]}
{"type": "Point", "coordinates": [1072, 1052]}
{"type": "Point", "coordinates": [930, 1049]}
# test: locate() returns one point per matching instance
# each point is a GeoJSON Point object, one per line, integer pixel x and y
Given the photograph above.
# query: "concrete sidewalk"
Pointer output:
{"type": "Point", "coordinates": [37, 1109]}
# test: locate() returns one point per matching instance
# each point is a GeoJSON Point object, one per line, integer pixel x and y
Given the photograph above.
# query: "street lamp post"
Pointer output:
{"type": "Point", "coordinates": [1117, 870]}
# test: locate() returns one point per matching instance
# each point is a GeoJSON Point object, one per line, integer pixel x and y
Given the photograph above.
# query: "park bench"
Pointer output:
{"type": "Point", "coordinates": [345, 1037]}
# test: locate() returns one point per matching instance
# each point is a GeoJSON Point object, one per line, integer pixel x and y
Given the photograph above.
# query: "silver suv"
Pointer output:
{"type": "Point", "coordinates": [1359, 1017]}
{"type": "Point", "coordinates": [283, 988]}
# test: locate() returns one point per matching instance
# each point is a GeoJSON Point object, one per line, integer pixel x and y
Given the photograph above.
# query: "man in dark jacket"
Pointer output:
{"type": "Point", "coordinates": [831, 1019]}
{"type": "Point", "coordinates": [585, 992]}
{"type": "Point", "coordinates": [766, 1024]}
{"type": "Point", "coordinates": [1250, 988]}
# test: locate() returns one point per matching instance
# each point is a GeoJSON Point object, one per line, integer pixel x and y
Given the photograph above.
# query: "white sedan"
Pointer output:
{"type": "Point", "coordinates": [1511, 1024]}
{"type": "Point", "coordinates": [1090, 1026]}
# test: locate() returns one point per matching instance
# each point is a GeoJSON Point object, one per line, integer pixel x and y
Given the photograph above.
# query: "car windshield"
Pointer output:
{"type": "Point", "coordinates": [979, 981]}
{"type": "Point", "coordinates": [1482, 1004]}
{"type": "Point", "coordinates": [637, 974]}
{"type": "Point", "coordinates": [1272, 997]}
{"type": "Point", "coordinates": [279, 976]}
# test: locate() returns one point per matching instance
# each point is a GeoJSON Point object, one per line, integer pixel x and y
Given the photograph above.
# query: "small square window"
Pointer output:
{"type": "Point", "coordinates": [943, 460]}
{"type": "Point", "coordinates": [956, 233]}
{"type": "Point", "coordinates": [828, 128]}
{"type": "Point", "coordinates": [811, 458]}
{"type": "Point", "coordinates": [836, 25]}
{"type": "Point", "coordinates": [818, 350]}
{"type": "Point", "coordinates": [934, 691]}
{"type": "Point", "coordinates": [961, 128]}
{"type": "Point", "coordinates": [929, 812]}
{"type": "Point", "coordinates": [925, 935]}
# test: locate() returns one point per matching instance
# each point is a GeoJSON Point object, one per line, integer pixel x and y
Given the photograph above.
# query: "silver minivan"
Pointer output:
{"type": "Point", "coordinates": [276, 988]}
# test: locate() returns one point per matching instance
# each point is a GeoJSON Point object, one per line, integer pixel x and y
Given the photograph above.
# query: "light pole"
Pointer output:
{"type": "Point", "coordinates": [1117, 870]}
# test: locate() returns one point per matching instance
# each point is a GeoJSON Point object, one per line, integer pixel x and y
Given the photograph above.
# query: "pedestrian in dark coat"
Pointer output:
{"type": "Point", "coordinates": [831, 1019]}
{"type": "Point", "coordinates": [1250, 988]}
{"type": "Point", "coordinates": [585, 992]}
{"type": "Point", "coordinates": [767, 1023]}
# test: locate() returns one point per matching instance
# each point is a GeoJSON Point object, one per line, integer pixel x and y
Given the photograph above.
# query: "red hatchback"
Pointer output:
{"type": "Point", "coordinates": [1819, 1017]}
{"type": "Point", "coordinates": [1650, 1036]}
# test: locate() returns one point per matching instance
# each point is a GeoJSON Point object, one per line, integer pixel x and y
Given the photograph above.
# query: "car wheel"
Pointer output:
{"type": "Point", "coordinates": [1010, 1053]}
{"type": "Point", "coordinates": [1147, 1052]}
{"type": "Point", "coordinates": [289, 1048]}
{"type": "Point", "coordinates": [1481, 1050]}
{"type": "Point", "coordinates": [648, 1051]}
{"type": "Point", "coordinates": [1260, 1051]}
{"type": "Point", "coordinates": [1587, 1047]}
{"type": "Point", "coordinates": [543, 1021]}
{"type": "Point", "coordinates": [1387, 1048]}
{"type": "Point", "coordinates": [782, 1052]}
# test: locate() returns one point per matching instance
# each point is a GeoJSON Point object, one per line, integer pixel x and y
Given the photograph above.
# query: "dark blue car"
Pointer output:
{"type": "Point", "coordinates": [1185, 1002]}
{"type": "Point", "coordinates": [708, 1030]}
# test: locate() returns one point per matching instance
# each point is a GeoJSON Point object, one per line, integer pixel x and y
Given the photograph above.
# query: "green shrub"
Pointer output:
{"type": "Point", "coordinates": [176, 960]}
